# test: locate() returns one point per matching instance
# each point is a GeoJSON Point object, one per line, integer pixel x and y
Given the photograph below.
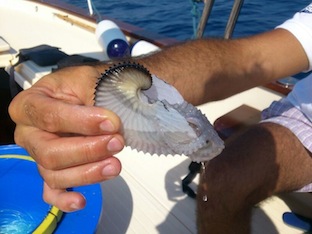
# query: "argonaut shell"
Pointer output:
{"type": "Point", "coordinates": [154, 115]}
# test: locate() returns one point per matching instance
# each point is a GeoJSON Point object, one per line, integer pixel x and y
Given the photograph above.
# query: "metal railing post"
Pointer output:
{"type": "Point", "coordinates": [231, 21]}
{"type": "Point", "coordinates": [233, 18]}
{"type": "Point", "coordinates": [204, 18]}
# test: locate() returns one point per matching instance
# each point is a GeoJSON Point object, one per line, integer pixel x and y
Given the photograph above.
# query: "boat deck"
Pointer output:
{"type": "Point", "coordinates": [147, 196]}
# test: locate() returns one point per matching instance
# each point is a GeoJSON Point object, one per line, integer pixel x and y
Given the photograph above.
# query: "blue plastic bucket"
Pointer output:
{"type": "Point", "coordinates": [22, 209]}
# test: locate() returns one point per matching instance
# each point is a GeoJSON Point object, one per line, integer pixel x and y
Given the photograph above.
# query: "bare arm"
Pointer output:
{"type": "Point", "coordinates": [220, 68]}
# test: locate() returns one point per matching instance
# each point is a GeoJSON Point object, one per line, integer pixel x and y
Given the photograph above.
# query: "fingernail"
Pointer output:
{"type": "Point", "coordinates": [114, 145]}
{"type": "Point", "coordinates": [109, 170]}
{"type": "Point", "coordinates": [107, 126]}
{"type": "Point", "coordinates": [74, 207]}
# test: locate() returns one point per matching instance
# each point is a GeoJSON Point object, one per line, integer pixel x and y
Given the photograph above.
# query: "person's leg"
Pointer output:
{"type": "Point", "coordinates": [266, 160]}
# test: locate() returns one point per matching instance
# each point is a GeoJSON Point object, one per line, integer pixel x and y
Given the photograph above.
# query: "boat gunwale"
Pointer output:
{"type": "Point", "coordinates": [129, 30]}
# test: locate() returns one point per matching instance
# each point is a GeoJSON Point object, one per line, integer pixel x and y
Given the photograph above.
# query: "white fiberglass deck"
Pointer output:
{"type": "Point", "coordinates": [147, 196]}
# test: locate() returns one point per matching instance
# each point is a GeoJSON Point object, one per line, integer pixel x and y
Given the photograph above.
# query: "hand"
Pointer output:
{"type": "Point", "coordinates": [71, 140]}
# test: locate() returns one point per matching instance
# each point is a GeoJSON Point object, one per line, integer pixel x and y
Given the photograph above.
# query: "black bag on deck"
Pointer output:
{"type": "Point", "coordinates": [45, 55]}
{"type": "Point", "coordinates": [42, 55]}
{"type": "Point", "coordinates": [75, 60]}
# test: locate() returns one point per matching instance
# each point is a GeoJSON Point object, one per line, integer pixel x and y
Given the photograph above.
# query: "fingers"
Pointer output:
{"type": "Point", "coordinates": [54, 152]}
{"type": "Point", "coordinates": [62, 199]}
{"type": "Point", "coordinates": [81, 175]}
{"type": "Point", "coordinates": [66, 162]}
{"type": "Point", "coordinates": [63, 102]}
{"type": "Point", "coordinates": [55, 183]}
{"type": "Point", "coordinates": [53, 115]}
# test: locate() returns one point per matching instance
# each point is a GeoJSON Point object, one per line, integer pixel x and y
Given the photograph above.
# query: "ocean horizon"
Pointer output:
{"type": "Point", "coordinates": [175, 18]}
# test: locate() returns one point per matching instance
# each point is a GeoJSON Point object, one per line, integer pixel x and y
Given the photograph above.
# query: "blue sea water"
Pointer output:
{"type": "Point", "coordinates": [175, 18]}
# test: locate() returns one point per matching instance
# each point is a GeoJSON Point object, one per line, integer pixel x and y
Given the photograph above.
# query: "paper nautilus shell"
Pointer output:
{"type": "Point", "coordinates": [155, 117]}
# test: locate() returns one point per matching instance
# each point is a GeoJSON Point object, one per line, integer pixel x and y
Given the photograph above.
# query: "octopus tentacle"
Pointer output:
{"type": "Point", "coordinates": [155, 117]}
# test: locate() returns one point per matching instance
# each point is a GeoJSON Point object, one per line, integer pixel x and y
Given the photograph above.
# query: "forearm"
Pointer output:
{"type": "Point", "coordinates": [207, 70]}
{"type": "Point", "coordinates": [212, 69]}
{"type": "Point", "coordinates": [202, 70]}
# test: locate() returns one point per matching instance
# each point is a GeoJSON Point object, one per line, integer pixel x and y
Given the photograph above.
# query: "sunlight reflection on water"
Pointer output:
{"type": "Point", "coordinates": [13, 221]}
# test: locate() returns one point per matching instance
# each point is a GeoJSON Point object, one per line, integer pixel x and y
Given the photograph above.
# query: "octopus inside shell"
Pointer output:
{"type": "Point", "coordinates": [155, 117]}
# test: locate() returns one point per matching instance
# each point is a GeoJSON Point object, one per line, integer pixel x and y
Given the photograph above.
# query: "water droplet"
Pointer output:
{"type": "Point", "coordinates": [203, 165]}
{"type": "Point", "coordinates": [203, 178]}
